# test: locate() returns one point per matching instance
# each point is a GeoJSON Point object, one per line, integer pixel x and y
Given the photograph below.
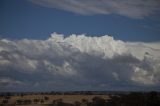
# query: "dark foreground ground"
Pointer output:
{"type": "Point", "coordinates": [81, 99]}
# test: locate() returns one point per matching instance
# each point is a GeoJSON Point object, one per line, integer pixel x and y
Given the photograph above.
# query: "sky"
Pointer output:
{"type": "Point", "coordinates": [67, 45]}
{"type": "Point", "coordinates": [128, 20]}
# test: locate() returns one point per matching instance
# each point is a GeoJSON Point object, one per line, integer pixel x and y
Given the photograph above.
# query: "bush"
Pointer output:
{"type": "Point", "coordinates": [46, 98]}
{"type": "Point", "coordinates": [98, 101]}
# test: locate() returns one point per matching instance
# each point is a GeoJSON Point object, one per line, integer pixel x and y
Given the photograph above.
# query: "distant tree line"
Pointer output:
{"type": "Point", "coordinates": [59, 93]}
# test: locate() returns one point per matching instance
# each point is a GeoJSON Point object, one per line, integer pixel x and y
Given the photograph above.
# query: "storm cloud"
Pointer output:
{"type": "Point", "coordinates": [78, 62]}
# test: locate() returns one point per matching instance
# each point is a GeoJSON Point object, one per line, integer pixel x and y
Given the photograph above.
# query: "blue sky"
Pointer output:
{"type": "Point", "coordinates": [24, 19]}
{"type": "Point", "coordinates": [33, 58]}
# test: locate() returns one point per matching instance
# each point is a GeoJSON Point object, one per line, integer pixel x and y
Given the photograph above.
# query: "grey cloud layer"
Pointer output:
{"type": "Point", "coordinates": [128, 8]}
{"type": "Point", "coordinates": [78, 62]}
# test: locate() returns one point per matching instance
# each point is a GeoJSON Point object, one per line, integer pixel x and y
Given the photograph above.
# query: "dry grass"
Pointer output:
{"type": "Point", "coordinates": [66, 98]}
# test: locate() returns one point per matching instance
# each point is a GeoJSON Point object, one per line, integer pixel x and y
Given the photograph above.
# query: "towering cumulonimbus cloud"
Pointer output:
{"type": "Point", "coordinates": [79, 62]}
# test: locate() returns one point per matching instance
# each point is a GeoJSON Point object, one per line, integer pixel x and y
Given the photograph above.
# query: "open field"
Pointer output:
{"type": "Point", "coordinates": [39, 100]}
{"type": "Point", "coordinates": [81, 99]}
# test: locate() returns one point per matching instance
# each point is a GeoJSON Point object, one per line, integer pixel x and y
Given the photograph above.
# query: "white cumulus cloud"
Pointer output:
{"type": "Point", "coordinates": [79, 62]}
